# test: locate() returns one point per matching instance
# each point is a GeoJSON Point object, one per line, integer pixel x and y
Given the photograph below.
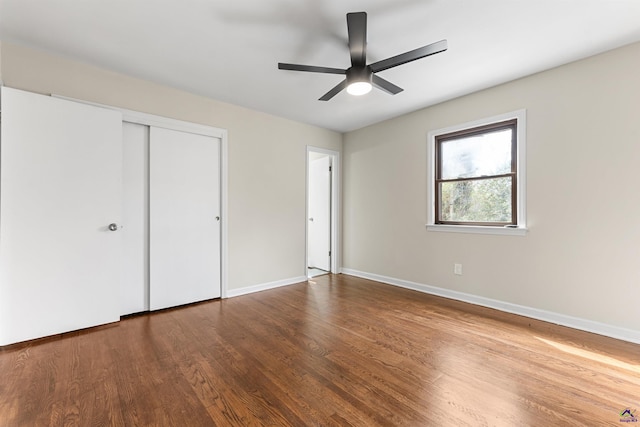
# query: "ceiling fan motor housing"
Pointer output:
{"type": "Point", "coordinates": [359, 74]}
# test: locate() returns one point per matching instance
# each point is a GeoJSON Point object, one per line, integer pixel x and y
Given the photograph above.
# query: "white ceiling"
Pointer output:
{"type": "Point", "coordinates": [229, 50]}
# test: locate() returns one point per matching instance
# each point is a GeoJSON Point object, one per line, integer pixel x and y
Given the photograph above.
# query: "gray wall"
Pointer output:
{"type": "Point", "coordinates": [581, 256]}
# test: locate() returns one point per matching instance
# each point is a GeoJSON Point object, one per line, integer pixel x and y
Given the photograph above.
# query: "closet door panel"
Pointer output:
{"type": "Point", "coordinates": [134, 296]}
{"type": "Point", "coordinates": [61, 185]}
{"type": "Point", "coordinates": [184, 230]}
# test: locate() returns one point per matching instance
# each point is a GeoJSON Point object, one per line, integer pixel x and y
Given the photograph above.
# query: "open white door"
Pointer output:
{"type": "Point", "coordinates": [184, 196]}
{"type": "Point", "coordinates": [319, 209]}
{"type": "Point", "coordinates": [61, 185]}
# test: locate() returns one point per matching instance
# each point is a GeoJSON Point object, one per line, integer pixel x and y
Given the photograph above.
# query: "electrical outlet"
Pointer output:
{"type": "Point", "coordinates": [457, 269]}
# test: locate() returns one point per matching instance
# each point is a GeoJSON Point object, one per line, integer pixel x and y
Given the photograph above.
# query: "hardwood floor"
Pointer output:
{"type": "Point", "coordinates": [338, 351]}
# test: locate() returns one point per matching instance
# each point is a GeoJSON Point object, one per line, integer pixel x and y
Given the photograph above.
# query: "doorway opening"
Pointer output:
{"type": "Point", "coordinates": [322, 208]}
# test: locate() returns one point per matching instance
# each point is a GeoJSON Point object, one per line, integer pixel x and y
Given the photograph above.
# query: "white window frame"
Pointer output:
{"type": "Point", "coordinates": [521, 228]}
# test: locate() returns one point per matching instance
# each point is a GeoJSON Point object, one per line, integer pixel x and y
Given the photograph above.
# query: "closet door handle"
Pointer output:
{"type": "Point", "coordinates": [113, 227]}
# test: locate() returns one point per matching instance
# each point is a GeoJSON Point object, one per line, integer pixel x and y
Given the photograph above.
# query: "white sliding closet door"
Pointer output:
{"type": "Point", "coordinates": [61, 185]}
{"type": "Point", "coordinates": [184, 196]}
{"type": "Point", "coordinates": [134, 296]}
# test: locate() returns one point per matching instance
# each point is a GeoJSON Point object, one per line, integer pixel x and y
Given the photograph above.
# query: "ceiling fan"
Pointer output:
{"type": "Point", "coordinates": [360, 76]}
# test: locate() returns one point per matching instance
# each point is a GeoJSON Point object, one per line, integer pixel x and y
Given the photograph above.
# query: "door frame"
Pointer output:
{"type": "Point", "coordinates": [336, 185]}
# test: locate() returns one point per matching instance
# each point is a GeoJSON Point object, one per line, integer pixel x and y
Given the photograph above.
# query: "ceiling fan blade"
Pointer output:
{"type": "Point", "coordinates": [333, 92]}
{"type": "Point", "coordinates": [385, 85]}
{"type": "Point", "coordinates": [357, 28]}
{"type": "Point", "coordinates": [412, 55]}
{"type": "Point", "coordinates": [310, 68]}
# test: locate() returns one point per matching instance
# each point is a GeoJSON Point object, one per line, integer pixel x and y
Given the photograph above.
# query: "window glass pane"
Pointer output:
{"type": "Point", "coordinates": [487, 200]}
{"type": "Point", "coordinates": [477, 155]}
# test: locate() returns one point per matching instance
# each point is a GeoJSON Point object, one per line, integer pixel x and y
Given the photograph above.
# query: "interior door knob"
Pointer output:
{"type": "Point", "coordinates": [311, 219]}
{"type": "Point", "coordinates": [113, 227]}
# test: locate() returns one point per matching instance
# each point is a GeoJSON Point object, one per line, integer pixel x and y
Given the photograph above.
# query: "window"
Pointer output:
{"type": "Point", "coordinates": [477, 176]}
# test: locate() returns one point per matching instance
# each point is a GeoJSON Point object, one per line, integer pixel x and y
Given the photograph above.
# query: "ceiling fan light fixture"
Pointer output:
{"type": "Point", "coordinates": [359, 80]}
{"type": "Point", "coordinates": [361, 76]}
{"type": "Point", "coordinates": [359, 88]}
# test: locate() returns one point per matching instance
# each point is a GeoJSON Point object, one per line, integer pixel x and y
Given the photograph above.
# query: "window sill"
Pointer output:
{"type": "Point", "coordinates": [474, 229]}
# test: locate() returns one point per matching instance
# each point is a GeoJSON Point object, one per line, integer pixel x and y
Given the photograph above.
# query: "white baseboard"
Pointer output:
{"type": "Point", "coordinates": [534, 313]}
{"type": "Point", "coordinates": [265, 286]}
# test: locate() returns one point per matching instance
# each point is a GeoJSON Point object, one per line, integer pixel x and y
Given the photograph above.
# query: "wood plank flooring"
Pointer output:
{"type": "Point", "coordinates": [334, 351]}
